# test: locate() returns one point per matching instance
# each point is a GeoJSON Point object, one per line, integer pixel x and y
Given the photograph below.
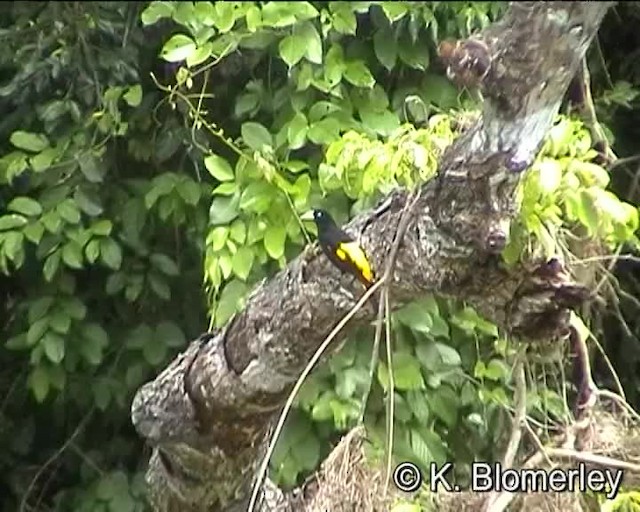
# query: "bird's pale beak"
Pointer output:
{"type": "Point", "coordinates": [307, 216]}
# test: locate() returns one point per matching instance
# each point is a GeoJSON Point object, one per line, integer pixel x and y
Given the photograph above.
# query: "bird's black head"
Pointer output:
{"type": "Point", "coordinates": [322, 218]}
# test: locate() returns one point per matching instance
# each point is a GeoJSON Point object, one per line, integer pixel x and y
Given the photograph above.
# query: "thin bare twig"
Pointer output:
{"type": "Point", "coordinates": [400, 230]}
{"type": "Point", "coordinates": [296, 388]}
{"type": "Point", "coordinates": [580, 456]}
{"type": "Point", "coordinates": [54, 457]}
{"type": "Point", "coordinates": [494, 502]}
{"type": "Point", "coordinates": [391, 397]}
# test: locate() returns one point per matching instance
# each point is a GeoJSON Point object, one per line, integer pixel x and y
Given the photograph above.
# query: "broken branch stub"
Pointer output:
{"type": "Point", "coordinates": [207, 414]}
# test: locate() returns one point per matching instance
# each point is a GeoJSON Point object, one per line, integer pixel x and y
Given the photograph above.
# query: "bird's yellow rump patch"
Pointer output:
{"type": "Point", "coordinates": [351, 251]}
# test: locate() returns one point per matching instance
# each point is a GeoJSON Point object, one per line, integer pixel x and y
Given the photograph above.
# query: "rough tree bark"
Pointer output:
{"type": "Point", "coordinates": [206, 415]}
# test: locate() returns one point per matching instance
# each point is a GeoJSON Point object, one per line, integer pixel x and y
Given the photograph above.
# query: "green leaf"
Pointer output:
{"type": "Point", "coordinates": [449, 355]}
{"type": "Point", "coordinates": [386, 48]}
{"type": "Point", "coordinates": [178, 48]}
{"type": "Point", "coordinates": [383, 123]}
{"type": "Point", "coordinates": [256, 136]}
{"type": "Point", "coordinates": [135, 375]}
{"type": "Point", "coordinates": [440, 327]}
{"type": "Point", "coordinates": [72, 254]}
{"type": "Point", "coordinates": [12, 221]}
{"type": "Point", "coordinates": [39, 307]}
{"type": "Point", "coordinates": [39, 383]}
{"type": "Point", "coordinates": [230, 299]}
{"type": "Point", "coordinates": [419, 406]}
{"type": "Point", "coordinates": [357, 73]}
{"type": "Point", "coordinates": [159, 285]}
{"type": "Point", "coordinates": [324, 131]}
{"type": "Point", "coordinates": [60, 322]}
{"type": "Point", "coordinates": [202, 53]}
{"type": "Point", "coordinates": [218, 237]}
{"type": "Point", "coordinates": [74, 307]}
{"type": "Point", "coordinates": [242, 262]}
{"type": "Point", "coordinates": [343, 18]}
{"type": "Point", "coordinates": [133, 96]}
{"type": "Point", "coordinates": [307, 454]}
{"type": "Point", "coordinates": [92, 250]}
{"type": "Point", "coordinates": [34, 232]}
{"type": "Point", "coordinates": [102, 227]}
{"type": "Point", "coordinates": [310, 39]}
{"type": "Point", "coordinates": [17, 342]}
{"type": "Point", "coordinates": [219, 168]}
{"type": "Point", "coordinates": [95, 340]}
{"type": "Point", "coordinates": [88, 202]}
{"type": "Point", "coordinates": [258, 197]}
{"type": "Point", "coordinates": [53, 347]}
{"type": "Point", "coordinates": [51, 265]}
{"type": "Point", "coordinates": [496, 370]}
{"type": "Point", "coordinates": [443, 402]}
{"type": "Point", "coordinates": [157, 10]}
{"type": "Point", "coordinates": [115, 282]}
{"type": "Point", "coordinates": [91, 168]}
{"type": "Point", "coordinates": [550, 172]}
{"type": "Point", "coordinates": [587, 210]}
{"type": "Point", "coordinates": [170, 334]}
{"type": "Point", "coordinates": [282, 14]}
{"type": "Point", "coordinates": [36, 330]}
{"type": "Point", "coordinates": [226, 189]}
{"type": "Point", "coordinates": [110, 253]}
{"type": "Point", "coordinates": [322, 407]}
{"type": "Point", "coordinates": [154, 352]}
{"type": "Point", "coordinates": [238, 231]}
{"type": "Point", "coordinates": [437, 448]}
{"type": "Point", "coordinates": [139, 337]}
{"type": "Point", "coordinates": [290, 50]}
{"type": "Point", "coordinates": [253, 18]}
{"type": "Point", "coordinates": [416, 316]}
{"type": "Point", "coordinates": [296, 166]}
{"type": "Point", "coordinates": [25, 205]}
{"type": "Point", "coordinates": [224, 209]}
{"type": "Point", "coordinates": [13, 249]}
{"type": "Point", "coordinates": [224, 261]}
{"type": "Point", "coordinates": [68, 210]}
{"type": "Point", "coordinates": [34, 142]}
{"type": "Point", "coordinates": [439, 91]}
{"type": "Point", "coordinates": [297, 130]}
{"type": "Point", "coordinates": [406, 372]}
{"type": "Point", "coordinates": [224, 18]}
{"type": "Point", "coordinates": [164, 264]}
{"type": "Point", "coordinates": [43, 160]}
{"type": "Point", "coordinates": [274, 241]}
{"type": "Point", "coordinates": [590, 174]}
{"type": "Point", "coordinates": [394, 10]}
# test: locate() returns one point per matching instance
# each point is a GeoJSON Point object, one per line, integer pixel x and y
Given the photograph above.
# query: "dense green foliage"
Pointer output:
{"type": "Point", "coordinates": [102, 230]}
{"type": "Point", "coordinates": [126, 181]}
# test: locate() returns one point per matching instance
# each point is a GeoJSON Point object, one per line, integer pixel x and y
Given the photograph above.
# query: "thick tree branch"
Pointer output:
{"type": "Point", "coordinates": [207, 414]}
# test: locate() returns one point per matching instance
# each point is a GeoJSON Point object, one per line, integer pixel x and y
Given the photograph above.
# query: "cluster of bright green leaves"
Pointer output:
{"type": "Point", "coordinates": [252, 220]}
{"type": "Point", "coordinates": [365, 168]}
{"type": "Point", "coordinates": [564, 189]}
{"type": "Point", "coordinates": [623, 502]}
{"type": "Point", "coordinates": [323, 84]}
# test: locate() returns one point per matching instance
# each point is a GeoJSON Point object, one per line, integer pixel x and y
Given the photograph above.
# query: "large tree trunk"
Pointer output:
{"type": "Point", "coordinates": [207, 414]}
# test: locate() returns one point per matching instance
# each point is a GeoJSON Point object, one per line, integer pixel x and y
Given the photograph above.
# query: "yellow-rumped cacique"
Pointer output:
{"type": "Point", "coordinates": [342, 250]}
